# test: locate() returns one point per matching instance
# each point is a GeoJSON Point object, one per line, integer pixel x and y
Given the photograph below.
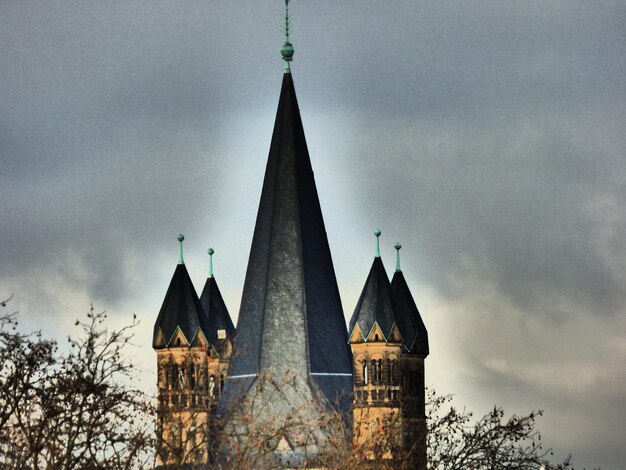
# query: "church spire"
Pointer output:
{"type": "Point", "coordinates": [291, 324]}
{"type": "Point", "coordinates": [290, 306]}
{"type": "Point", "coordinates": [290, 287]}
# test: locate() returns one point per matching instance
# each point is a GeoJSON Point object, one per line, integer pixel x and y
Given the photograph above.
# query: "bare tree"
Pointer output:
{"type": "Point", "coordinates": [184, 428]}
{"type": "Point", "coordinates": [255, 432]}
{"type": "Point", "coordinates": [71, 410]}
{"type": "Point", "coordinates": [454, 439]}
{"type": "Point", "coordinates": [76, 410]}
{"type": "Point", "coordinates": [493, 442]}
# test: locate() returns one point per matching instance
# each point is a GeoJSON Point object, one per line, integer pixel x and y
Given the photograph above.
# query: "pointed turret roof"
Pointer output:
{"type": "Point", "coordinates": [216, 311]}
{"type": "Point", "coordinates": [291, 314]}
{"type": "Point", "coordinates": [215, 308]}
{"type": "Point", "coordinates": [181, 309]}
{"type": "Point", "coordinates": [409, 320]}
{"type": "Point", "coordinates": [375, 305]}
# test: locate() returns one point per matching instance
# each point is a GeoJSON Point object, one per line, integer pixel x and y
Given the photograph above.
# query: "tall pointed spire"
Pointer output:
{"type": "Point", "coordinates": [291, 324]}
{"type": "Point", "coordinates": [290, 288]}
{"type": "Point", "coordinates": [291, 315]}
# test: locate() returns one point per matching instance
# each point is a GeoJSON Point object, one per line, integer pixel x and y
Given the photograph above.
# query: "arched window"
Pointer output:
{"type": "Point", "coordinates": [212, 386]}
{"type": "Point", "coordinates": [174, 380]}
{"type": "Point", "coordinates": [377, 365]}
{"type": "Point", "coordinates": [162, 376]}
{"type": "Point", "coordinates": [192, 378]}
{"type": "Point", "coordinates": [392, 371]}
{"type": "Point", "coordinates": [364, 372]}
{"type": "Point", "coordinates": [181, 377]}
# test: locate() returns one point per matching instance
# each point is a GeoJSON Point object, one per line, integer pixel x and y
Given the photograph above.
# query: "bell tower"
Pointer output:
{"type": "Point", "coordinates": [389, 344]}
{"type": "Point", "coordinates": [192, 341]}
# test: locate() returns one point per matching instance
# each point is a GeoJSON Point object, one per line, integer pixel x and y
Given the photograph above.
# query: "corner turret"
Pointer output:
{"type": "Point", "coordinates": [389, 343]}
{"type": "Point", "coordinates": [220, 326]}
{"type": "Point", "coordinates": [373, 318]}
{"type": "Point", "coordinates": [192, 363]}
{"type": "Point", "coordinates": [181, 320]}
{"type": "Point", "coordinates": [408, 316]}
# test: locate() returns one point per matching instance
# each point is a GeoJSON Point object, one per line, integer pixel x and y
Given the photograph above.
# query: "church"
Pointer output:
{"type": "Point", "coordinates": [290, 386]}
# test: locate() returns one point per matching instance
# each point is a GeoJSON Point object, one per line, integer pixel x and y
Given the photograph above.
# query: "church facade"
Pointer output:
{"type": "Point", "coordinates": [290, 386]}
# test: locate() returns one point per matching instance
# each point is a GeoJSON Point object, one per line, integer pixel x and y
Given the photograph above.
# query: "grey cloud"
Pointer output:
{"type": "Point", "coordinates": [487, 136]}
{"type": "Point", "coordinates": [515, 198]}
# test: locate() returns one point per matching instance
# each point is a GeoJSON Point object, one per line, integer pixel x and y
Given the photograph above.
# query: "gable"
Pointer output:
{"type": "Point", "coordinates": [395, 335]}
{"type": "Point", "coordinates": [356, 336]}
{"type": "Point", "coordinates": [178, 339]}
{"type": "Point", "coordinates": [376, 334]}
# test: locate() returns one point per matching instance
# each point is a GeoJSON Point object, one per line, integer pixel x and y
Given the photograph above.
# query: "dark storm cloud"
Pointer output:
{"type": "Point", "coordinates": [106, 129]}
{"type": "Point", "coordinates": [526, 200]}
{"type": "Point", "coordinates": [497, 125]}
{"type": "Point", "coordinates": [595, 404]}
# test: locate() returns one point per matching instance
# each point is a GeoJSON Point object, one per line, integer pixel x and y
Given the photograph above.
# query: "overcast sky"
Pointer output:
{"type": "Point", "coordinates": [488, 137]}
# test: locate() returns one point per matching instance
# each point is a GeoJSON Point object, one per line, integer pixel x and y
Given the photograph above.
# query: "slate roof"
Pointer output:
{"type": "Point", "coordinates": [375, 304]}
{"type": "Point", "coordinates": [291, 313]}
{"type": "Point", "coordinates": [181, 308]}
{"type": "Point", "coordinates": [408, 317]}
{"type": "Point", "coordinates": [216, 311]}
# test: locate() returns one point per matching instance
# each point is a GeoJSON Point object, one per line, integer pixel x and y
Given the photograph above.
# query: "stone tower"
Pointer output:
{"type": "Point", "coordinates": [192, 339]}
{"type": "Point", "coordinates": [389, 344]}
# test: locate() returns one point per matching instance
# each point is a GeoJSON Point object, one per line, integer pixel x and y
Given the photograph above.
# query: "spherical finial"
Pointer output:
{"type": "Point", "coordinates": [377, 232]}
{"type": "Point", "coordinates": [287, 51]}
{"type": "Point", "coordinates": [210, 251]}
{"type": "Point", "coordinates": [180, 237]}
{"type": "Point", "coordinates": [397, 246]}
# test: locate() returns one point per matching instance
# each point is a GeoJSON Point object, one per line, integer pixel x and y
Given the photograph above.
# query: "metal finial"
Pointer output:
{"type": "Point", "coordinates": [377, 232]}
{"type": "Point", "coordinates": [287, 49]}
{"type": "Point", "coordinates": [180, 238]}
{"type": "Point", "coordinates": [397, 246]}
{"type": "Point", "coordinates": [210, 251]}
